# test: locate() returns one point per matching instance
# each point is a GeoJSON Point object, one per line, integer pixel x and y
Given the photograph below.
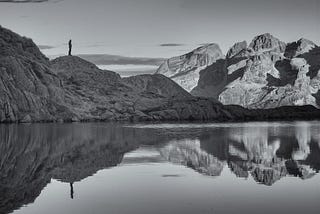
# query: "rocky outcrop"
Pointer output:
{"type": "Point", "coordinates": [97, 94]}
{"type": "Point", "coordinates": [29, 90]}
{"type": "Point", "coordinates": [185, 69]}
{"type": "Point", "coordinates": [267, 74]}
{"type": "Point", "coordinates": [91, 93]}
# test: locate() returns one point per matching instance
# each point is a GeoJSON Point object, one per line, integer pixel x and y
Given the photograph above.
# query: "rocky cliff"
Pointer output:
{"type": "Point", "coordinates": [267, 73]}
{"type": "Point", "coordinates": [29, 90]}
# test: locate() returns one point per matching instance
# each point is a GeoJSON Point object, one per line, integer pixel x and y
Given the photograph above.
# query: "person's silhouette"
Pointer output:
{"type": "Point", "coordinates": [71, 190]}
{"type": "Point", "coordinates": [70, 47]}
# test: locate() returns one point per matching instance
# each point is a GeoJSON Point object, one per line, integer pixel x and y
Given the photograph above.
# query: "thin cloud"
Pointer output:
{"type": "Point", "coordinates": [45, 47]}
{"type": "Point", "coordinates": [106, 59]}
{"type": "Point", "coordinates": [28, 1]}
{"type": "Point", "coordinates": [171, 45]}
{"type": "Point", "coordinates": [204, 44]}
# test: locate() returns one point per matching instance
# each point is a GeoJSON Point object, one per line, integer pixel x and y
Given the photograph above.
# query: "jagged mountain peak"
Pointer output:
{"type": "Point", "coordinates": [304, 40]}
{"type": "Point", "coordinates": [266, 42]}
{"type": "Point", "coordinates": [299, 47]}
{"type": "Point", "coordinates": [264, 37]}
{"type": "Point", "coordinates": [238, 49]}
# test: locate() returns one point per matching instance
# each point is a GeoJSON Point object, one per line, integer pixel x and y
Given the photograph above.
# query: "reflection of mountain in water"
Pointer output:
{"type": "Point", "coordinates": [272, 153]}
{"type": "Point", "coordinates": [189, 153]}
{"type": "Point", "coordinates": [265, 153]}
{"type": "Point", "coordinates": [31, 155]}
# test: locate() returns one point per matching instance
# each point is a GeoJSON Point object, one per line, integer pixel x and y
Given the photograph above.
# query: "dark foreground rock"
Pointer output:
{"type": "Point", "coordinates": [29, 90]}
{"type": "Point", "coordinates": [34, 89]}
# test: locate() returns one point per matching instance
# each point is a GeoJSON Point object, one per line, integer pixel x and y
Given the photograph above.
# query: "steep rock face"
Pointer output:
{"type": "Point", "coordinates": [185, 69]}
{"type": "Point", "coordinates": [14, 45]}
{"type": "Point", "coordinates": [29, 90]}
{"type": "Point", "coordinates": [267, 42]}
{"type": "Point", "coordinates": [299, 47]}
{"type": "Point", "coordinates": [257, 90]}
{"type": "Point", "coordinates": [265, 75]}
{"type": "Point", "coordinates": [239, 49]}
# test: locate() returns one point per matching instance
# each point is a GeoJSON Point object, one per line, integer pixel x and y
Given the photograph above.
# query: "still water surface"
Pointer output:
{"type": "Point", "coordinates": [160, 168]}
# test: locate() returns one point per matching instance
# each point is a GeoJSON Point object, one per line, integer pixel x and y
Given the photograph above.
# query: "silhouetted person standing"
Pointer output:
{"type": "Point", "coordinates": [70, 47]}
{"type": "Point", "coordinates": [71, 190]}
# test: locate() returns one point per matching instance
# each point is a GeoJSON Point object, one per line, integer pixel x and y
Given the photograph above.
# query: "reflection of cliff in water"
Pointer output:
{"type": "Point", "coordinates": [188, 152]}
{"type": "Point", "coordinates": [31, 155]}
{"type": "Point", "coordinates": [267, 153]}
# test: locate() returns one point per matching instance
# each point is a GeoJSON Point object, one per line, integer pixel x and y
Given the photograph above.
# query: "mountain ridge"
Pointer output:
{"type": "Point", "coordinates": [263, 74]}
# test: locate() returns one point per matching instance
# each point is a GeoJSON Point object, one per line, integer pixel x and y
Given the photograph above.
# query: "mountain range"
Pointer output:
{"type": "Point", "coordinates": [69, 88]}
{"type": "Point", "coordinates": [267, 73]}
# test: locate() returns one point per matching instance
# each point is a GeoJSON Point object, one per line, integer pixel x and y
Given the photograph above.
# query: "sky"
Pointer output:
{"type": "Point", "coordinates": [156, 28]}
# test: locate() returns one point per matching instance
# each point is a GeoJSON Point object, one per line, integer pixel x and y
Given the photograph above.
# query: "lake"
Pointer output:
{"type": "Point", "coordinates": [258, 167]}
